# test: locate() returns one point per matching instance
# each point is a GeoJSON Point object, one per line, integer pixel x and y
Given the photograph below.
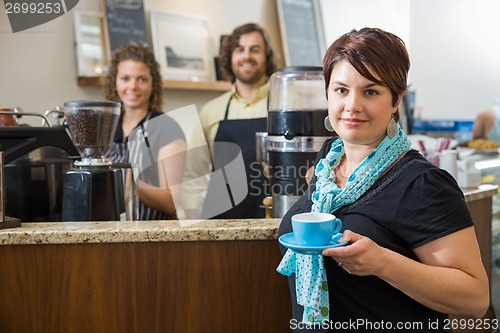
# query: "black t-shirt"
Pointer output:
{"type": "Point", "coordinates": [412, 204]}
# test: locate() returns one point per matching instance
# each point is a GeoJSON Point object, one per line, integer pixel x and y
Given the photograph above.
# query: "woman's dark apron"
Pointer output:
{"type": "Point", "coordinates": [242, 133]}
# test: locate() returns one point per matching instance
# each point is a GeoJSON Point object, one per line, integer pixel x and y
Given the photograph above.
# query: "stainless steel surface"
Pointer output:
{"type": "Point", "coordinates": [130, 194]}
{"type": "Point", "coordinates": [15, 113]}
{"type": "Point", "coordinates": [299, 144]}
{"type": "Point", "coordinates": [56, 113]}
{"type": "Point", "coordinates": [88, 161]}
{"type": "Point", "coordinates": [261, 147]}
{"type": "Point", "coordinates": [282, 203]}
{"type": "Point", "coordinates": [261, 152]}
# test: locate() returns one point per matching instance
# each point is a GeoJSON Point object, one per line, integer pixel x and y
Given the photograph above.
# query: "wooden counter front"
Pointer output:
{"type": "Point", "coordinates": [201, 286]}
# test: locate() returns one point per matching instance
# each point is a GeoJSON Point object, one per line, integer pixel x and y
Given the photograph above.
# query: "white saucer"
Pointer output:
{"type": "Point", "coordinates": [289, 241]}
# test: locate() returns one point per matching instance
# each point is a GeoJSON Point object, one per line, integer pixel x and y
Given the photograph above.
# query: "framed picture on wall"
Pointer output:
{"type": "Point", "coordinates": [92, 54]}
{"type": "Point", "coordinates": [219, 76]}
{"type": "Point", "coordinates": [183, 46]}
{"type": "Point", "coordinates": [302, 32]}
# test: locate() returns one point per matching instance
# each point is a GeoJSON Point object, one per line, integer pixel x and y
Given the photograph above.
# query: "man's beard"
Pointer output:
{"type": "Point", "coordinates": [249, 79]}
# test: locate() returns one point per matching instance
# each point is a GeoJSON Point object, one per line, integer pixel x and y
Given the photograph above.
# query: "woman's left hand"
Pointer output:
{"type": "Point", "coordinates": [361, 257]}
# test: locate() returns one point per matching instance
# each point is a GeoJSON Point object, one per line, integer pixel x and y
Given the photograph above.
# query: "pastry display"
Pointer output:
{"type": "Point", "coordinates": [483, 144]}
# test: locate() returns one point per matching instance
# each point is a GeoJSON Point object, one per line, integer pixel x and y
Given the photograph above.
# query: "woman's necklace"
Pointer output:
{"type": "Point", "coordinates": [337, 169]}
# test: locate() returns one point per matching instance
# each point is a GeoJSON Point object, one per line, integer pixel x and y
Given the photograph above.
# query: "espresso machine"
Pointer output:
{"type": "Point", "coordinates": [295, 132]}
{"type": "Point", "coordinates": [93, 189]}
{"type": "Point", "coordinates": [36, 160]}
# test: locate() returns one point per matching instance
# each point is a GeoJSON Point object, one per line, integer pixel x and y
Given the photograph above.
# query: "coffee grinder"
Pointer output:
{"type": "Point", "coordinates": [295, 132]}
{"type": "Point", "coordinates": [93, 189]}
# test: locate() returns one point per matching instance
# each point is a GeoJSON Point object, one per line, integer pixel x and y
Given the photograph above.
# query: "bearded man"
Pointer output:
{"type": "Point", "coordinates": [247, 60]}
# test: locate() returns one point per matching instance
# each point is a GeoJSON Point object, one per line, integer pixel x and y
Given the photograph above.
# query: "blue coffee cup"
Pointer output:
{"type": "Point", "coordinates": [315, 229]}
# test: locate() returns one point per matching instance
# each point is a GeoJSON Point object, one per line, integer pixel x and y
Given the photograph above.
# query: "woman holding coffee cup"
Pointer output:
{"type": "Point", "coordinates": [411, 254]}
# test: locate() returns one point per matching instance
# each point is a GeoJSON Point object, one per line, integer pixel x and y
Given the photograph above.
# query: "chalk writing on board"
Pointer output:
{"type": "Point", "coordinates": [126, 22]}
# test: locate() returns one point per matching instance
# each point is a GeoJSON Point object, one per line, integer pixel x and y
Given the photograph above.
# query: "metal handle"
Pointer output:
{"type": "Point", "coordinates": [16, 113]}
{"type": "Point", "coordinates": [58, 111]}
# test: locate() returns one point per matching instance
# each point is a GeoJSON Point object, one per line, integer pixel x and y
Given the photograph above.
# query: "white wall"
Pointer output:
{"type": "Point", "coordinates": [341, 16]}
{"type": "Point", "coordinates": [454, 47]}
{"type": "Point", "coordinates": [38, 66]}
{"type": "Point", "coordinates": [456, 56]}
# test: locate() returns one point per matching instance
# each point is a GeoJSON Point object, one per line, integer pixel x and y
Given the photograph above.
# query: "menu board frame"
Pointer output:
{"type": "Point", "coordinates": [302, 32]}
{"type": "Point", "coordinates": [92, 50]}
{"type": "Point", "coordinates": [125, 23]}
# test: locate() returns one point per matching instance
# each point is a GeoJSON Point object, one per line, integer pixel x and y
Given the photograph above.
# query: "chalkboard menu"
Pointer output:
{"type": "Point", "coordinates": [302, 32]}
{"type": "Point", "coordinates": [126, 22]}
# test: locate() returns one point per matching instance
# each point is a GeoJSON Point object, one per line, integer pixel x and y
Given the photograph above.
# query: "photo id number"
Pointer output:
{"type": "Point", "coordinates": [33, 8]}
{"type": "Point", "coordinates": [474, 324]}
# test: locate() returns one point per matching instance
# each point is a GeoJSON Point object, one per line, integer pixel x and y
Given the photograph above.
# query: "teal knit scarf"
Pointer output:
{"type": "Point", "coordinates": [328, 197]}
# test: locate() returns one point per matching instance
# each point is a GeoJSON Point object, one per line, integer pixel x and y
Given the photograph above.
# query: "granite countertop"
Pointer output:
{"type": "Point", "coordinates": [483, 191]}
{"type": "Point", "coordinates": [140, 231]}
{"type": "Point", "coordinates": [161, 231]}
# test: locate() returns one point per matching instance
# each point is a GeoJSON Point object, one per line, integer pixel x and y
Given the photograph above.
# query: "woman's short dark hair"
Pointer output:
{"type": "Point", "coordinates": [231, 42]}
{"type": "Point", "coordinates": [384, 52]}
{"type": "Point", "coordinates": [139, 53]}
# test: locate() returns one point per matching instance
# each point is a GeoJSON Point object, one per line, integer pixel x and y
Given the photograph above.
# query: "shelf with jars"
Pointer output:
{"type": "Point", "coordinates": [99, 81]}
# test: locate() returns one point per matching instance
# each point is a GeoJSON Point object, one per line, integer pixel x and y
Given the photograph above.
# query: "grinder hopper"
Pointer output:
{"type": "Point", "coordinates": [93, 188]}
